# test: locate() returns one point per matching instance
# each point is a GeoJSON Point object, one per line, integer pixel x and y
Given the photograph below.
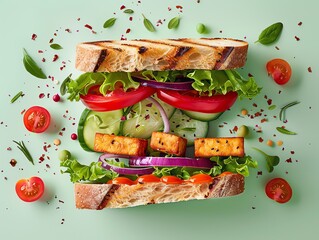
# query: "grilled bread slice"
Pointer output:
{"type": "Point", "coordinates": [100, 196]}
{"type": "Point", "coordinates": [157, 55]}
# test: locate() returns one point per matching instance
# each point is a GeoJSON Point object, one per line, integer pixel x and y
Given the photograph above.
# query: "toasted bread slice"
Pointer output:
{"type": "Point", "coordinates": [165, 54]}
{"type": "Point", "coordinates": [100, 196]}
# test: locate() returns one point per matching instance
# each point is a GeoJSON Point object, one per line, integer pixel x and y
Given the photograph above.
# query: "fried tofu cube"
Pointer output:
{"type": "Point", "coordinates": [168, 143]}
{"type": "Point", "coordinates": [219, 147]}
{"type": "Point", "coordinates": [120, 145]}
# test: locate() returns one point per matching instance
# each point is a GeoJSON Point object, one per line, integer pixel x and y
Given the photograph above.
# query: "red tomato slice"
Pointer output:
{"type": "Point", "coordinates": [279, 70]}
{"type": "Point", "coordinates": [121, 180]}
{"type": "Point", "coordinates": [30, 190]}
{"type": "Point", "coordinates": [36, 119]}
{"type": "Point", "coordinates": [200, 178]}
{"type": "Point", "coordinates": [148, 178]}
{"type": "Point", "coordinates": [278, 189]}
{"type": "Point", "coordinates": [171, 180]}
{"type": "Point", "coordinates": [116, 99]}
{"type": "Point", "coordinates": [189, 100]}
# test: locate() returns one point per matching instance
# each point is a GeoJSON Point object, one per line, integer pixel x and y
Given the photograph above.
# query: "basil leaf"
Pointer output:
{"type": "Point", "coordinates": [285, 131]}
{"type": "Point", "coordinates": [109, 23]}
{"type": "Point", "coordinates": [55, 46]}
{"type": "Point", "coordinates": [173, 23]}
{"type": "Point", "coordinates": [148, 24]}
{"type": "Point", "coordinates": [270, 34]}
{"type": "Point", "coordinates": [128, 11]}
{"type": "Point", "coordinates": [31, 66]}
{"type": "Point", "coordinates": [63, 89]}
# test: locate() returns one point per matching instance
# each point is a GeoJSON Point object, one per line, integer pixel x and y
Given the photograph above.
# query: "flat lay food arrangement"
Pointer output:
{"type": "Point", "coordinates": [169, 114]}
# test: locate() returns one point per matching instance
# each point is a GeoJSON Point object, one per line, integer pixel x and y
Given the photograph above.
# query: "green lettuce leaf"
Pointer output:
{"type": "Point", "coordinates": [93, 173]}
{"type": "Point", "coordinates": [230, 164]}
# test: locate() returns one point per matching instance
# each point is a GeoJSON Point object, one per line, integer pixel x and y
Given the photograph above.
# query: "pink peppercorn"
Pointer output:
{"type": "Point", "coordinates": [74, 136]}
{"type": "Point", "coordinates": [56, 98]}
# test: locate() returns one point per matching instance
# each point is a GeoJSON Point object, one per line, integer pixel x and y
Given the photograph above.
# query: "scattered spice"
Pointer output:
{"type": "Point", "coordinates": [34, 36]}
{"type": "Point", "coordinates": [297, 38]}
{"type": "Point", "coordinates": [57, 142]}
{"type": "Point", "coordinates": [270, 143]}
{"type": "Point", "coordinates": [244, 112]}
{"type": "Point", "coordinates": [279, 143]}
{"type": "Point", "coordinates": [13, 162]}
{"type": "Point", "coordinates": [309, 69]}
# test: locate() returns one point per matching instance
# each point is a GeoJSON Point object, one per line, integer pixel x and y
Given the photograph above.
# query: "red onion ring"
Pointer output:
{"type": "Point", "coordinates": [178, 86]}
{"type": "Point", "coordinates": [126, 171]}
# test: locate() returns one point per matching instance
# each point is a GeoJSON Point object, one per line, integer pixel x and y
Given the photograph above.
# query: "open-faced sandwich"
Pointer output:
{"type": "Point", "coordinates": [149, 106]}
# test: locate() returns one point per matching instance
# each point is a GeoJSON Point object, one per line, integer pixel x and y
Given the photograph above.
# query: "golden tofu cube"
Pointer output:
{"type": "Point", "coordinates": [168, 143]}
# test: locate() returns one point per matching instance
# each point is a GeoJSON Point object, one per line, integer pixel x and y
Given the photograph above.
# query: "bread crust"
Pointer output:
{"type": "Point", "coordinates": [158, 55]}
{"type": "Point", "coordinates": [100, 196]}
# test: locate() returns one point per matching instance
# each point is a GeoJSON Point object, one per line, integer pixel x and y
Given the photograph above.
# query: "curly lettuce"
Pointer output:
{"type": "Point", "coordinates": [206, 82]}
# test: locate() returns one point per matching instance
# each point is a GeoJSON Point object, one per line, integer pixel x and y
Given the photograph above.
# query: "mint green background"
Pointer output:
{"type": "Point", "coordinates": [249, 216]}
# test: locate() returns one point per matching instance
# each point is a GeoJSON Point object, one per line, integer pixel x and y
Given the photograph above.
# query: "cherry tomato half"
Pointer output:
{"type": "Point", "coordinates": [200, 178]}
{"type": "Point", "coordinates": [278, 189]}
{"type": "Point", "coordinates": [116, 99]}
{"type": "Point", "coordinates": [148, 179]}
{"type": "Point", "coordinates": [190, 100]}
{"type": "Point", "coordinates": [30, 190]}
{"type": "Point", "coordinates": [36, 119]}
{"type": "Point", "coordinates": [279, 70]}
{"type": "Point", "coordinates": [171, 180]}
{"type": "Point", "coordinates": [121, 180]}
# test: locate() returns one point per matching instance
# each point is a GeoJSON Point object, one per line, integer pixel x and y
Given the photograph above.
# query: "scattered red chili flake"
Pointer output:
{"type": "Point", "coordinates": [263, 120]}
{"type": "Point", "coordinates": [78, 19]}
{"type": "Point", "coordinates": [260, 139]}
{"type": "Point", "coordinates": [235, 129]}
{"type": "Point", "coordinates": [300, 23]}
{"type": "Point", "coordinates": [309, 69]}
{"type": "Point", "coordinates": [51, 40]}
{"type": "Point", "coordinates": [277, 48]}
{"type": "Point", "coordinates": [147, 117]}
{"type": "Point", "coordinates": [149, 105]}
{"type": "Point", "coordinates": [259, 173]}
{"type": "Point", "coordinates": [43, 60]}
{"type": "Point", "coordinates": [179, 7]}
{"type": "Point", "coordinates": [74, 136]}
{"type": "Point", "coordinates": [131, 19]}
{"type": "Point", "coordinates": [292, 152]}
{"type": "Point", "coordinates": [128, 30]}
{"type": "Point", "coordinates": [40, 51]}
{"type": "Point", "coordinates": [62, 221]}
{"type": "Point", "coordinates": [250, 75]}
{"type": "Point", "coordinates": [297, 38]}
{"type": "Point", "coordinates": [255, 105]}
{"type": "Point", "coordinates": [41, 95]}
{"type": "Point", "coordinates": [88, 26]}
{"type": "Point", "coordinates": [34, 36]}
{"type": "Point", "coordinates": [169, 9]}
{"type": "Point", "coordinates": [68, 30]}
{"type": "Point", "coordinates": [9, 148]}
{"type": "Point", "coordinates": [122, 7]}
{"type": "Point", "coordinates": [289, 160]}
{"type": "Point", "coordinates": [41, 158]}
{"type": "Point", "coordinates": [55, 57]}
{"type": "Point", "coordinates": [13, 162]}
{"type": "Point", "coordinates": [269, 101]}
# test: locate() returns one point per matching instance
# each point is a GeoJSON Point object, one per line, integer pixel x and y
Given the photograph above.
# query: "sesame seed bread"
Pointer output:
{"type": "Point", "coordinates": [100, 196]}
{"type": "Point", "coordinates": [164, 54]}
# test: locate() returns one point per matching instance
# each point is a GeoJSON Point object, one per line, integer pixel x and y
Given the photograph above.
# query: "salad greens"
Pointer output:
{"type": "Point", "coordinates": [31, 66]}
{"type": "Point", "coordinates": [270, 160]}
{"type": "Point", "coordinates": [207, 82]}
{"type": "Point", "coordinates": [270, 34]}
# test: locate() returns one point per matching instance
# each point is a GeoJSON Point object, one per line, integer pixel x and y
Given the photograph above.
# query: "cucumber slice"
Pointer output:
{"type": "Point", "coordinates": [187, 127]}
{"type": "Point", "coordinates": [145, 118]}
{"type": "Point", "coordinates": [205, 117]}
{"type": "Point", "coordinates": [92, 122]}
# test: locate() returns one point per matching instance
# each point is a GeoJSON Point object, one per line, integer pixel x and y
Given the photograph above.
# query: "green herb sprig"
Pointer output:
{"type": "Point", "coordinates": [56, 46]}
{"type": "Point", "coordinates": [270, 160]}
{"type": "Point", "coordinates": [31, 66]}
{"type": "Point", "coordinates": [148, 24]}
{"type": "Point", "coordinates": [285, 131]}
{"type": "Point", "coordinates": [173, 23]}
{"type": "Point", "coordinates": [270, 34]}
{"type": "Point", "coordinates": [24, 150]}
{"type": "Point", "coordinates": [109, 23]}
{"type": "Point", "coordinates": [129, 11]}
{"type": "Point", "coordinates": [16, 97]}
{"type": "Point", "coordinates": [284, 108]}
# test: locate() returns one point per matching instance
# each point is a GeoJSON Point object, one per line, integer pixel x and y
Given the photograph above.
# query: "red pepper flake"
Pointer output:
{"type": "Point", "coordinates": [169, 9]}
{"type": "Point", "coordinates": [263, 120]}
{"type": "Point", "coordinates": [40, 51]}
{"type": "Point", "coordinates": [88, 26]}
{"type": "Point", "coordinates": [123, 38]}
{"type": "Point", "coordinates": [51, 40]}
{"type": "Point", "coordinates": [13, 162]}
{"type": "Point", "coordinates": [289, 160]}
{"type": "Point", "coordinates": [255, 105]}
{"type": "Point", "coordinates": [297, 38]}
{"type": "Point", "coordinates": [122, 7]}
{"type": "Point", "coordinates": [292, 152]}
{"type": "Point", "coordinates": [235, 129]}
{"type": "Point", "coordinates": [300, 23]}
{"type": "Point", "coordinates": [309, 69]}
{"type": "Point", "coordinates": [128, 30]}
{"type": "Point", "coordinates": [43, 60]}
{"type": "Point", "coordinates": [179, 7]}
{"type": "Point", "coordinates": [41, 158]}
{"type": "Point", "coordinates": [68, 30]}
{"type": "Point", "coordinates": [41, 95]}
{"type": "Point", "coordinates": [277, 48]}
{"type": "Point", "coordinates": [259, 173]}
{"type": "Point", "coordinates": [260, 139]}
{"type": "Point", "coordinates": [269, 101]}
{"type": "Point", "coordinates": [131, 19]}
{"type": "Point", "coordinates": [55, 57]}
{"type": "Point", "coordinates": [147, 117]}
{"type": "Point", "coordinates": [78, 19]}
{"type": "Point", "coordinates": [149, 105]}
{"type": "Point", "coordinates": [47, 165]}
{"type": "Point", "coordinates": [250, 75]}
{"type": "Point", "coordinates": [34, 36]}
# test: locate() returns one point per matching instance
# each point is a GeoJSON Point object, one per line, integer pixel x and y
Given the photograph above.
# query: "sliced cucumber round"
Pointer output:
{"type": "Point", "coordinates": [186, 127]}
{"type": "Point", "coordinates": [145, 118]}
{"type": "Point", "coordinates": [92, 122]}
{"type": "Point", "coordinates": [205, 117]}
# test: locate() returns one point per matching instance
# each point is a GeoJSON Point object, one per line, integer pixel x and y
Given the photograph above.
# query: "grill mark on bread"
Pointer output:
{"type": "Point", "coordinates": [108, 196]}
{"type": "Point", "coordinates": [100, 60]}
{"type": "Point", "coordinates": [181, 51]}
{"type": "Point", "coordinates": [223, 57]}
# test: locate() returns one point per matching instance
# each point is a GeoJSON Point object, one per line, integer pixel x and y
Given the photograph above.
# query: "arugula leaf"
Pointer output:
{"type": "Point", "coordinates": [93, 173]}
